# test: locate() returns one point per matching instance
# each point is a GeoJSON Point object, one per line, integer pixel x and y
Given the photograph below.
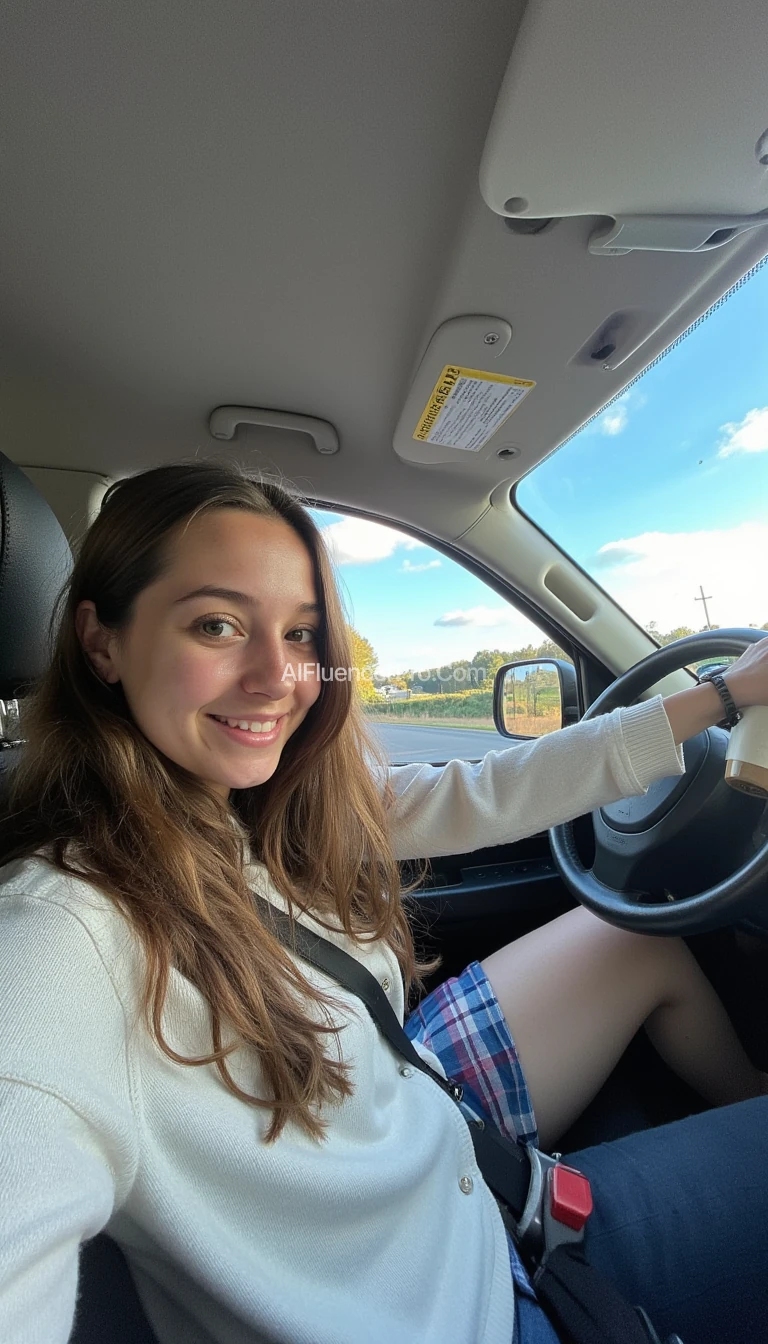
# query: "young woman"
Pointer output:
{"type": "Point", "coordinates": [170, 1072]}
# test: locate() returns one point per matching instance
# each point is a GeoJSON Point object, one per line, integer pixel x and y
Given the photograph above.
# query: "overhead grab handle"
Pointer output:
{"type": "Point", "coordinates": [669, 233]}
{"type": "Point", "coordinates": [224, 421]}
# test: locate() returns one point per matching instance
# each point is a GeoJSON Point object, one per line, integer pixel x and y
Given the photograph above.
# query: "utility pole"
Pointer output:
{"type": "Point", "coordinates": [704, 599]}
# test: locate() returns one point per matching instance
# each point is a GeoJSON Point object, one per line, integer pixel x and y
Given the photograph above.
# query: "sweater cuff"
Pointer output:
{"type": "Point", "coordinates": [650, 744]}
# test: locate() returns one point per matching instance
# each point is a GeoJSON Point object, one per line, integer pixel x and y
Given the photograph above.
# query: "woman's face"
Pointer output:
{"type": "Point", "coordinates": [210, 662]}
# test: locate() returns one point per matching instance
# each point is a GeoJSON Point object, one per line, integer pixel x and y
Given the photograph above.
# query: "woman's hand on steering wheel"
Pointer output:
{"type": "Point", "coordinates": [690, 712]}
{"type": "Point", "coordinates": [747, 678]}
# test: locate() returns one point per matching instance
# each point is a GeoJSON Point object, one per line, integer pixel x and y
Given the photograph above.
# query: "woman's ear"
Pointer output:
{"type": "Point", "coordinates": [98, 643]}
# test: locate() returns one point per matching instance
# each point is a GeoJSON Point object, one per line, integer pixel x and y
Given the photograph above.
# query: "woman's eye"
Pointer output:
{"type": "Point", "coordinates": [216, 627]}
{"type": "Point", "coordinates": [307, 631]}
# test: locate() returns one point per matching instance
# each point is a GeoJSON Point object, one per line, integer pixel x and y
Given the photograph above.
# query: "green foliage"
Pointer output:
{"type": "Point", "coordinates": [534, 695]}
{"type": "Point", "coordinates": [366, 661]}
{"type": "Point", "coordinates": [679, 632]}
{"type": "Point", "coordinates": [477, 673]}
{"type": "Point", "coordinates": [463, 705]}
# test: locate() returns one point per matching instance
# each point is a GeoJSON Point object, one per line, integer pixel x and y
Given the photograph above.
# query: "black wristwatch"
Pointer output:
{"type": "Point", "coordinates": [732, 714]}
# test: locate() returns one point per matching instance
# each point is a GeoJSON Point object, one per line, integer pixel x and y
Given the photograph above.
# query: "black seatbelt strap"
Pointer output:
{"type": "Point", "coordinates": [586, 1307]}
{"type": "Point", "coordinates": [504, 1165]}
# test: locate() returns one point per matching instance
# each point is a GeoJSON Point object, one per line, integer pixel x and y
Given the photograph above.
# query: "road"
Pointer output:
{"type": "Point", "coordinates": [407, 742]}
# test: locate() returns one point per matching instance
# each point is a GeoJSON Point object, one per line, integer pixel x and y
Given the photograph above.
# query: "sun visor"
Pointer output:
{"type": "Point", "coordinates": [652, 117]}
{"type": "Point", "coordinates": [465, 389]}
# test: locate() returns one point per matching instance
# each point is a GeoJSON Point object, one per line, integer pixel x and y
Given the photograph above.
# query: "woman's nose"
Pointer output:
{"type": "Point", "coordinates": [269, 670]}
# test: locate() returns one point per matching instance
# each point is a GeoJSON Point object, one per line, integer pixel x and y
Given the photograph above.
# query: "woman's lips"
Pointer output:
{"type": "Point", "coordinates": [245, 737]}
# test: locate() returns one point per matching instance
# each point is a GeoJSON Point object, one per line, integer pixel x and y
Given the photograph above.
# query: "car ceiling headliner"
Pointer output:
{"type": "Point", "coordinates": [274, 205]}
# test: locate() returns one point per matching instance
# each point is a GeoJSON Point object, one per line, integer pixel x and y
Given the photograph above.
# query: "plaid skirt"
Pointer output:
{"type": "Point", "coordinates": [462, 1023]}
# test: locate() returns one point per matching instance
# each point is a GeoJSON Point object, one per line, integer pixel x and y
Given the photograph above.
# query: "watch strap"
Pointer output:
{"type": "Point", "coordinates": [732, 714]}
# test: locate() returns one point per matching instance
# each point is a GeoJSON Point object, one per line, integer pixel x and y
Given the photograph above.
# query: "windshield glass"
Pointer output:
{"type": "Point", "coordinates": [663, 498]}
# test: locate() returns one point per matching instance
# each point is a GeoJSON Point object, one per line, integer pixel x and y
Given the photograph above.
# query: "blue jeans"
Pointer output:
{"type": "Point", "coordinates": [681, 1222]}
{"type": "Point", "coordinates": [681, 1212]}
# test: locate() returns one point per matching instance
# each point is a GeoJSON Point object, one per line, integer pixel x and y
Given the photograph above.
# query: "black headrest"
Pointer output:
{"type": "Point", "coordinates": [35, 561]}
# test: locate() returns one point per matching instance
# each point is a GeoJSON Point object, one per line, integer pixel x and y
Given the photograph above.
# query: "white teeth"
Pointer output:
{"type": "Point", "coordinates": [251, 727]}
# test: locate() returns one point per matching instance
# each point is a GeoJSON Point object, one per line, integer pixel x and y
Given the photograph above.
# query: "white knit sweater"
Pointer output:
{"type": "Point", "coordinates": [367, 1236]}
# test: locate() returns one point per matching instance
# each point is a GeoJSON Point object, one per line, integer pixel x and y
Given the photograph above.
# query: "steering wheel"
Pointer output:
{"type": "Point", "coordinates": [682, 858]}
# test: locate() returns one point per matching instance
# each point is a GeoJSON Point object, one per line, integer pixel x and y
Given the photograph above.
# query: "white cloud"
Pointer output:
{"type": "Point", "coordinates": [480, 617]}
{"type": "Point", "coordinates": [614, 420]}
{"type": "Point", "coordinates": [656, 575]}
{"type": "Point", "coordinates": [749, 435]}
{"type": "Point", "coordinates": [356, 541]}
{"type": "Point", "coordinates": [414, 646]}
{"type": "Point", "coordinates": [408, 568]}
{"type": "Point", "coordinates": [413, 641]}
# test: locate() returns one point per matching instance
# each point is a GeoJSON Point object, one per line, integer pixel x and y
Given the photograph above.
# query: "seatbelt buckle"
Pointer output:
{"type": "Point", "coordinates": [557, 1208]}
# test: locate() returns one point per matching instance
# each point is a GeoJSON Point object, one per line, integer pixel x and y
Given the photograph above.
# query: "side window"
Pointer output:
{"type": "Point", "coordinates": [428, 638]}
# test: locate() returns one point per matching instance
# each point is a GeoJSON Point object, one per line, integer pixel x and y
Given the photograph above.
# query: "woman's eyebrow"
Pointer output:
{"type": "Point", "coordinates": [232, 595]}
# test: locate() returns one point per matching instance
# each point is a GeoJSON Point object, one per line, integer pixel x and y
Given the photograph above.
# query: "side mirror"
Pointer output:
{"type": "Point", "coordinates": [534, 698]}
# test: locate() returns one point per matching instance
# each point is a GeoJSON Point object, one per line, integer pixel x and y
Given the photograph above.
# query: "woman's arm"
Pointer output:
{"type": "Point", "coordinates": [69, 1139]}
{"type": "Point", "coordinates": [459, 807]}
{"type": "Point", "coordinates": [692, 711]}
{"type": "Point", "coordinates": [58, 1190]}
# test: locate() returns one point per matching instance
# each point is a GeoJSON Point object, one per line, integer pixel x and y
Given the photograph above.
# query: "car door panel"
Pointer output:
{"type": "Point", "coordinates": [471, 904]}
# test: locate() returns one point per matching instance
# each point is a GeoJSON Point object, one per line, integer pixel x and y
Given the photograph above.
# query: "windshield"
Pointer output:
{"type": "Point", "coordinates": [663, 498]}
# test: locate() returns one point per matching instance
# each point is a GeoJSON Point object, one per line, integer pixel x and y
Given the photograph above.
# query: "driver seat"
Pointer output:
{"type": "Point", "coordinates": [35, 561]}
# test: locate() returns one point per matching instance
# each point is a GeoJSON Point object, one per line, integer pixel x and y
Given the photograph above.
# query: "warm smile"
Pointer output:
{"type": "Point", "coordinates": [249, 732]}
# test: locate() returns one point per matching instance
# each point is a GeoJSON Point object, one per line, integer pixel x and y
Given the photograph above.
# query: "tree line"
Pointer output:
{"type": "Point", "coordinates": [477, 672]}
{"type": "Point", "coordinates": [680, 631]}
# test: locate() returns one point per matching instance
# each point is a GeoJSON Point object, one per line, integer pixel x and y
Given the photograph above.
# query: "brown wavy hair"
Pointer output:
{"type": "Point", "coordinates": [104, 804]}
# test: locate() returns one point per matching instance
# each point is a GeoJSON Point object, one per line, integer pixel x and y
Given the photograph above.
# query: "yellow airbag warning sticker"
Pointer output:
{"type": "Point", "coordinates": [467, 406]}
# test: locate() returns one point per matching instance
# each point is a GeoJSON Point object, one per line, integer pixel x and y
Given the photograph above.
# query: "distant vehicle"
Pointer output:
{"type": "Point", "coordinates": [396, 693]}
{"type": "Point", "coordinates": [704, 669]}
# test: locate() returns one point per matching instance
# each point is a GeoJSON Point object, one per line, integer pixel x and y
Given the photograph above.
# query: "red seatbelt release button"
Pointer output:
{"type": "Point", "coordinates": [570, 1197]}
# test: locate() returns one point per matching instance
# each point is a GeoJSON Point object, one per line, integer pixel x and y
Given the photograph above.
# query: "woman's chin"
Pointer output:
{"type": "Point", "coordinates": [229, 780]}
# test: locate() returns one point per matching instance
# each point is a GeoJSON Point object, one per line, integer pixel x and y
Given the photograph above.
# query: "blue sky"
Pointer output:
{"type": "Point", "coordinates": [670, 471]}
{"type": "Point", "coordinates": [666, 490]}
{"type": "Point", "coordinates": [418, 609]}
{"type": "Point", "coordinates": [677, 471]}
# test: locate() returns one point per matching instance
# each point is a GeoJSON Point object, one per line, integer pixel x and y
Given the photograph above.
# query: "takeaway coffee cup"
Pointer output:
{"type": "Point", "coordinates": [746, 760]}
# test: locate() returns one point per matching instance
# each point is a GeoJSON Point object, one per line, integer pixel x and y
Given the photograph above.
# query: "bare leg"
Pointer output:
{"type": "Point", "coordinates": [576, 991]}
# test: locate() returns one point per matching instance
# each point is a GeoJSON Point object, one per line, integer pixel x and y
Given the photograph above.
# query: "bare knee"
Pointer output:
{"type": "Point", "coordinates": [666, 963]}
{"type": "Point", "coordinates": [676, 968]}
{"type": "Point", "coordinates": [663, 965]}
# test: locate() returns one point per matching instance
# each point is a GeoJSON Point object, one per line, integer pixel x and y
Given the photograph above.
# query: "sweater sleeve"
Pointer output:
{"type": "Point", "coordinates": [69, 1138]}
{"type": "Point", "coordinates": [460, 807]}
